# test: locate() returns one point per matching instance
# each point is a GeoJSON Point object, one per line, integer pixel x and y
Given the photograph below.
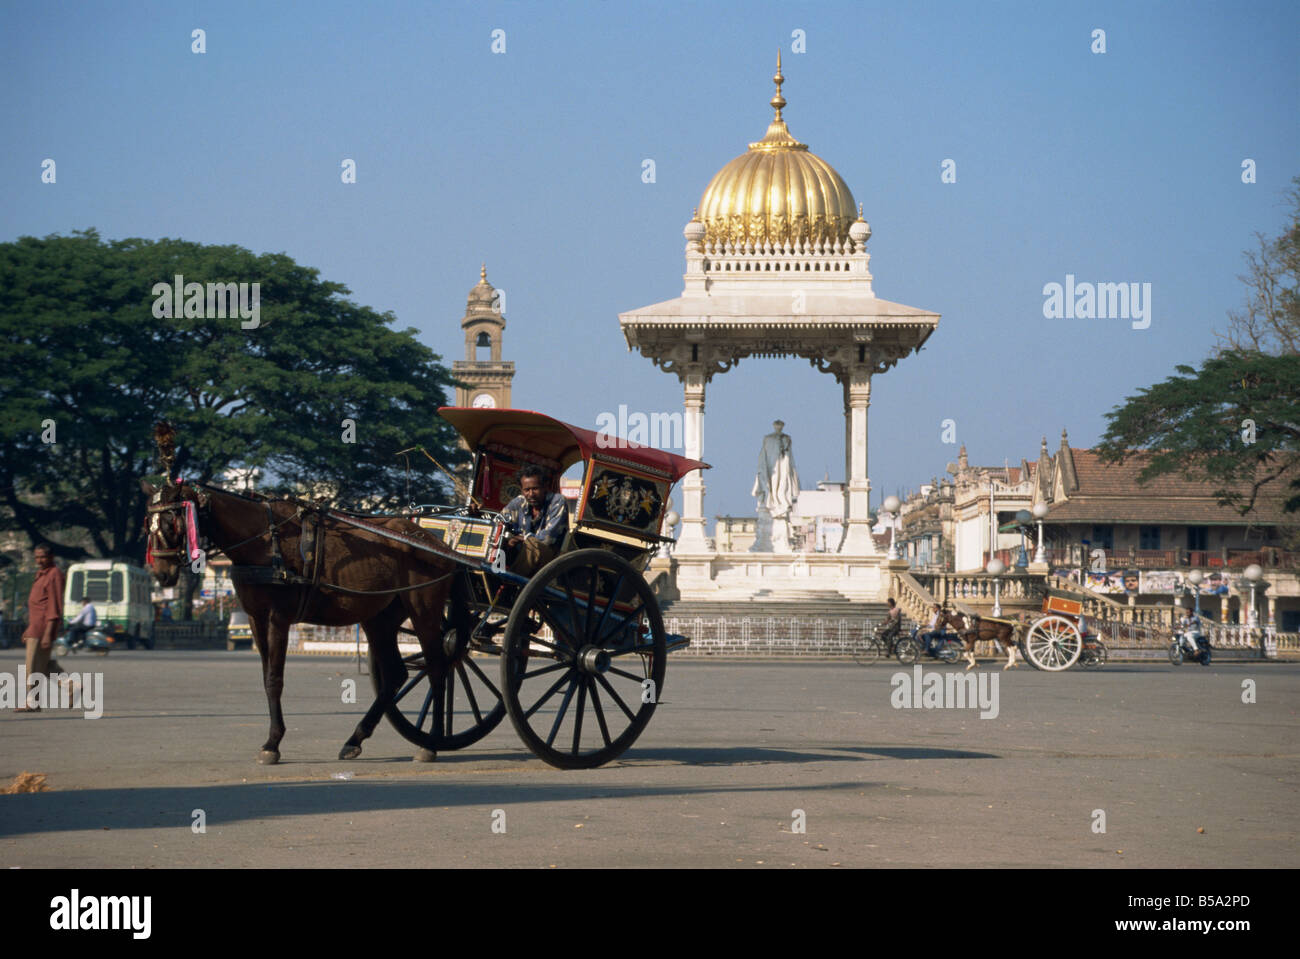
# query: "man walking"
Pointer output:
{"type": "Point", "coordinates": [44, 614]}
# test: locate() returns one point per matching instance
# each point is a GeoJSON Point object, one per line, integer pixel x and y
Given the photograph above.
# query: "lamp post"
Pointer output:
{"type": "Point", "coordinates": [1040, 512]}
{"type": "Point", "coordinates": [890, 507]}
{"type": "Point", "coordinates": [1254, 573]}
{"type": "Point", "coordinates": [995, 569]}
{"type": "Point", "coordinates": [1195, 577]}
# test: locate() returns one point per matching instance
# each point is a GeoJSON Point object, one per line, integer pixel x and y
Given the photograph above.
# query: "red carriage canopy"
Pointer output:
{"type": "Point", "coordinates": [562, 442]}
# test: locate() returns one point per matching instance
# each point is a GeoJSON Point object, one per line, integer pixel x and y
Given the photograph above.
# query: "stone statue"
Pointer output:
{"type": "Point", "coordinates": [776, 487]}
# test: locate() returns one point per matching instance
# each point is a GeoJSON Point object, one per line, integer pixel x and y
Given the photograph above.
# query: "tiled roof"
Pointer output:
{"type": "Point", "coordinates": [1109, 493]}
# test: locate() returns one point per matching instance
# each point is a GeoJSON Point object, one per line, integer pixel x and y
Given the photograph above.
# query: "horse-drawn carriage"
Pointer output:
{"type": "Point", "coordinates": [580, 643]}
{"type": "Point", "coordinates": [1059, 638]}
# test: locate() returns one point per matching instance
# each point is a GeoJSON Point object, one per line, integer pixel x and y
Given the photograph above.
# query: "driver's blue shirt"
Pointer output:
{"type": "Point", "coordinates": [550, 528]}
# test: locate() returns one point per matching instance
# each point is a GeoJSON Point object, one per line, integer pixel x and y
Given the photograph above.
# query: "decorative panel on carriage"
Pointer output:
{"type": "Point", "coordinates": [1061, 606]}
{"type": "Point", "coordinates": [623, 497]}
{"type": "Point", "coordinates": [466, 535]}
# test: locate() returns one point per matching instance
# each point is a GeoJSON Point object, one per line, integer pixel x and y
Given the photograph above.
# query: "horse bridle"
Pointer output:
{"type": "Point", "coordinates": [200, 506]}
{"type": "Point", "coordinates": [175, 509]}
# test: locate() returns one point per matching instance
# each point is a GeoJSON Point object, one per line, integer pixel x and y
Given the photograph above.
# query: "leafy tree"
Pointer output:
{"type": "Point", "coordinates": [85, 349]}
{"type": "Point", "coordinates": [1235, 421]}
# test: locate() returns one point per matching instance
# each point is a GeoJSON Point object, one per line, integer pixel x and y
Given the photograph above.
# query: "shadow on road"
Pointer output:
{"type": "Point", "coordinates": [760, 755]}
{"type": "Point", "coordinates": [174, 807]}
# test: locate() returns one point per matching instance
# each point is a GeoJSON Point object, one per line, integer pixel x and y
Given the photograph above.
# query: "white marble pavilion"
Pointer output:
{"type": "Point", "coordinates": [776, 266]}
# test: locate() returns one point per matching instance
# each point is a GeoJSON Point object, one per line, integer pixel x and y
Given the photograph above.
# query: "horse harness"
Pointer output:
{"type": "Point", "coordinates": [309, 517]}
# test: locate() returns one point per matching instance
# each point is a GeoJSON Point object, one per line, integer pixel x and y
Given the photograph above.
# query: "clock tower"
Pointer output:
{"type": "Point", "coordinates": [486, 375]}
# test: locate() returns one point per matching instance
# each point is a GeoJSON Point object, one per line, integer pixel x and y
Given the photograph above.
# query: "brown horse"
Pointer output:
{"type": "Point", "coordinates": [1005, 631]}
{"type": "Point", "coordinates": [297, 563]}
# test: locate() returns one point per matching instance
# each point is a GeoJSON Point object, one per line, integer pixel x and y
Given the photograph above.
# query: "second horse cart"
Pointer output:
{"type": "Point", "coordinates": [575, 654]}
{"type": "Point", "coordinates": [1059, 638]}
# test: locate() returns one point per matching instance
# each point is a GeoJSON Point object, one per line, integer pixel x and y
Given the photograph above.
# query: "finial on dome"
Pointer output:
{"type": "Point", "coordinates": [482, 272]}
{"type": "Point", "coordinates": [778, 101]}
{"type": "Point", "coordinates": [860, 220]}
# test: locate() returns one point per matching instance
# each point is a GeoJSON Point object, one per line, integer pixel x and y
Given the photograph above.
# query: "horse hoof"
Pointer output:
{"type": "Point", "coordinates": [425, 755]}
{"type": "Point", "coordinates": [349, 752]}
{"type": "Point", "coordinates": [268, 757]}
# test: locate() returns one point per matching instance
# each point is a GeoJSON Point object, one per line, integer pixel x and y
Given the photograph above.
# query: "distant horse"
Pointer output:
{"type": "Point", "coordinates": [1005, 631]}
{"type": "Point", "coordinates": [298, 563]}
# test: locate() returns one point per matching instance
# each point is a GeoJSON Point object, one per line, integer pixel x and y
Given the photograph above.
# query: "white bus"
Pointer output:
{"type": "Point", "coordinates": [119, 591]}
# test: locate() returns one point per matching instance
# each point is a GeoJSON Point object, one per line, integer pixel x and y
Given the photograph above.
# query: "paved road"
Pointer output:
{"type": "Point", "coordinates": [714, 781]}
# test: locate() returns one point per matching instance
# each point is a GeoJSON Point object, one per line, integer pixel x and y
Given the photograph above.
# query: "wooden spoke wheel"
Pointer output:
{"type": "Point", "coordinates": [583, 658]}
{"type": "Point", "coordinates": [1053, 643]}
{"type": "Point", "coordinates": [450, 706]}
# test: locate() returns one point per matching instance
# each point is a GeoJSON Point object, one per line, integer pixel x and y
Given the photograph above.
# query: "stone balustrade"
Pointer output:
{"type": "Point", "coordinates": [800, 257]}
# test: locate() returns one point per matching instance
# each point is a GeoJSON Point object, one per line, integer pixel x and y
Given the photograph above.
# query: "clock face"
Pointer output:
{"type": "Point", "coordinates": [484, 401]}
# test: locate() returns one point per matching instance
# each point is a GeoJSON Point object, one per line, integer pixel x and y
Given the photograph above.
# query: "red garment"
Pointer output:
{"type": "Point", "coordinates": [45, 602]}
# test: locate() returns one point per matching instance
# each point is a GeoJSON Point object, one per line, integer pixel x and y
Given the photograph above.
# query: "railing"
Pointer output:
{"type": "Point", "coordinates": [308, 632]}
{"type": "Point", "coordinates": [189, 635]}
{"type": "Point", "coordinates": [830, 634]}
{"type": "Point", "coordinates": [1058, 556]}
{"type": "Point", "coordinates": [915, 599]}
{"type": "Point", "coordinates": [801, 257]}
{"type": "Point", "coordinates": [11, 634]}
{"type": "Point", "coordinates": [975, 592]}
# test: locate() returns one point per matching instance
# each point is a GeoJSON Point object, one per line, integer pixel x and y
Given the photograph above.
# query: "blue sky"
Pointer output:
{"type": "Point", "coordinates": [1115, 167]}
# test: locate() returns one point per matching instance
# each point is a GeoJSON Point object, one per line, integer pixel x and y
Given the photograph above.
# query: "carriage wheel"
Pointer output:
{"type": "Point", "coordinates": [581, 678]}
{"type": "Point", "coordinates": [1053, 643]}
{"type": "Point", "coordinates": [452, 706]}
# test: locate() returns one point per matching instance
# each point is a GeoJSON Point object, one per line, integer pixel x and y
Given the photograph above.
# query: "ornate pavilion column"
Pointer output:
{"type": "Point", "coordinates": [692, 539]}
{"type": "Point", "coordinates": [857, 398]}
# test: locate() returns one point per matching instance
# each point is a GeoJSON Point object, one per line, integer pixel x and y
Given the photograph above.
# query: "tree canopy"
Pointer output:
{"type": "Point", "coordinates": [319, 394]}
{"type": "Point", "coordinates": [1235, 421]}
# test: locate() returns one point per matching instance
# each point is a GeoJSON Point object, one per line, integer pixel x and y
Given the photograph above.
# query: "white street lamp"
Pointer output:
{"type": "Point", "coordinates": [1040, 512]}
{"type": "Point", "coordinates": [890, 507]}
{"type": "Point", "coordinates": [1254, 573]}
{"type": "Point", "coordinates": [995, 569]}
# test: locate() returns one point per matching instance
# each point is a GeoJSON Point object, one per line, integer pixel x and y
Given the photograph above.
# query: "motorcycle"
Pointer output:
{"type": "Point", "coordinates": [949, 648]}
{"type": "Point", "coordinates": [1179, 649]}
{"type": "Point", "coordinates": [94, 640]}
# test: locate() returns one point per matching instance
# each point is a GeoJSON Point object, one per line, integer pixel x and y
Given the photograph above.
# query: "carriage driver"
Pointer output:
{"type": "Point", "coordinates": [537, 521]}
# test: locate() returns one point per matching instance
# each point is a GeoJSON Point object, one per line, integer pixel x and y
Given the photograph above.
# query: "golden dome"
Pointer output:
{"type": "Point", "coordinates": [777, 191]}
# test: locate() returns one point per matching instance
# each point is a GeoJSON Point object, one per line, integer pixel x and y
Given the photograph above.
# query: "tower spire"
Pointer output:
{"type": "Point", "coordinates": [778, 101]}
